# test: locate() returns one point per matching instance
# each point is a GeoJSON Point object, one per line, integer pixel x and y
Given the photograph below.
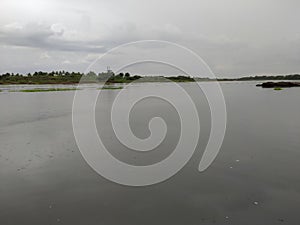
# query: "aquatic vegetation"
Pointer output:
{"type": "Point", "coordinates": [110, 88]}
{"type": "Point", "coordinates": [277, 89]}
{"type": "Point", "coordinates": [46, 90]}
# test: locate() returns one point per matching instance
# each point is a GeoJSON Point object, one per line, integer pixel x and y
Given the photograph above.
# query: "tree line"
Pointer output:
{"type": "Point", "coordinates": [64, 77]}
{"type": "Point", "coordinates": [264, 77]}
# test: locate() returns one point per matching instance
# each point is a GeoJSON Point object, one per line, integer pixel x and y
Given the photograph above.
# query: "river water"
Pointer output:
{"type": "Point", "coordinates": [254, 179]}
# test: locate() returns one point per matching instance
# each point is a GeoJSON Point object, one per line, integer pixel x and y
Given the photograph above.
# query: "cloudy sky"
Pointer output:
{"type": "Point", "coordinates": [233, 37]}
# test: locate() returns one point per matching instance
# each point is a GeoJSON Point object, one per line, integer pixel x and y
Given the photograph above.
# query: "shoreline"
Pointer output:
{"type": "Point", "coordinates": [146, 81]}
{"type": "Point", "coordinates": [75, 78]}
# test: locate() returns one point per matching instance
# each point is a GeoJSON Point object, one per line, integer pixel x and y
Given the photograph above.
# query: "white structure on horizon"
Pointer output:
{"type": "Point", "coordinates": [109, 71]}
{"type": "Point", "coordinates": [107, 74]}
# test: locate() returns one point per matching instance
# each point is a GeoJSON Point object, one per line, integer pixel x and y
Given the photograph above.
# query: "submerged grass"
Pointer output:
{"type": "Point", "coordinates": [46, 90]}
{"type": "Point", "coordinates": [110, 88]}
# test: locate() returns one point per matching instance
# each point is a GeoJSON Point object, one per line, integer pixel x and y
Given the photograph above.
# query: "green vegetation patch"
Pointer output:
{"type": "Point", "coordinates": [110, 88]}
{"type": "Point", "coordinates": [278, 89]}
{"type": "Point", "coordinates": [46, 90]}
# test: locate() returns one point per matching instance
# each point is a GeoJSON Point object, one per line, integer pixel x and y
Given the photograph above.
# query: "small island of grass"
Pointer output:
{"type": "Point", "coordinates": [46, 90]}
{"type": "Point", "coordinates": [277, 85]}
{"type": "Point", "coordinates": [110, 87]}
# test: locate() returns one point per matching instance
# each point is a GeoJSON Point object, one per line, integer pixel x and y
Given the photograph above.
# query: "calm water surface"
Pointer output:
{"type": "Point", "coordinates": [254, 180]}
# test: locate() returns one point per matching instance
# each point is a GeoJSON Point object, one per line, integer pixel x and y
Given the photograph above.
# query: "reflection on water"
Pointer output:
{"type": "Point", "coordinates": [254, 180]}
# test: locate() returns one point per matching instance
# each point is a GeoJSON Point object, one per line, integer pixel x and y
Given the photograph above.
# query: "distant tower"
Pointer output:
{"type": "Point", "coordinates": [109, 71]}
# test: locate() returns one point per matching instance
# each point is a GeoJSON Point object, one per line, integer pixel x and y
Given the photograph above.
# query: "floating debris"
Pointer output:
{"type": "Point", "coordinates": [255, 203]}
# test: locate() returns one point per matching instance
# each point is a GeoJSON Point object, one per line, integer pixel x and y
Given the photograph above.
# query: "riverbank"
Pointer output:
{"type": "Point", "coordinates": [74, 78]}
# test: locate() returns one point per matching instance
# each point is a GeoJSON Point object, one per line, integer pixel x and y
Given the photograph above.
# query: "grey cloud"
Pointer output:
{"type": "Point", "coordinates": [234, 37]}
{"type": "Point", "coordinates": [44, 37]}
